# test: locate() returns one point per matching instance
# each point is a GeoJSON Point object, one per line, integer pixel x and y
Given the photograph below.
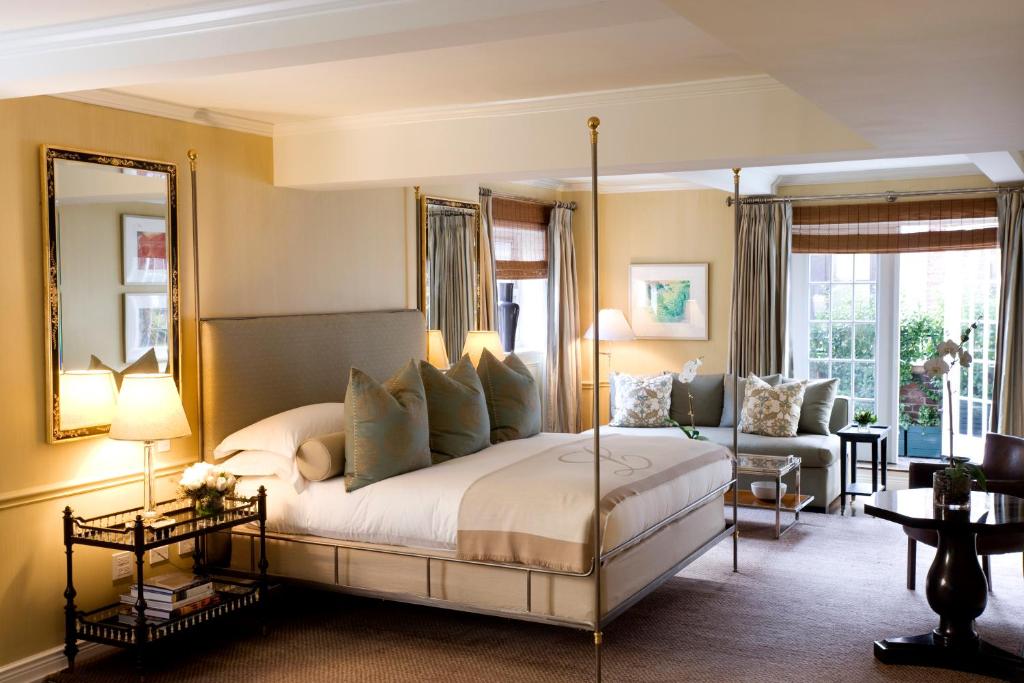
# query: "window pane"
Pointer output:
{"type": "Point", "coordinates": [819, 369]}
{"type": "Point", "coordinates": [977, 371]}
{"type": "Point", "coordinates": [962, 418]}
{"type": "Point", "coordinates": [864, 380]}
{"type": "Point", "coordinates": [991, 380]}
{"type": "Point", "coordinates": [843, 372]}
{"type": "Point", "coordinates": [819, 340]}
{"type": "Point", "coordinates": [976, 425]}
{"type": "Point", "coordinates": [993, 300]}
{"type": "Point", "coordinates": [842, 302]}
{"type": "Point", "coordinates": [963, 379]}
{"type": "Point", "coordinates": [991, 328]}
{"type": "Point", "coordinates": [819, 267]}
{"type": "Point", "coordinates": [864, 405]}
{"type": "Point", "coordinates": [864, 302]}
{"type": "Point", "coordinates": [842, 340]}
{"type": "Point", "coordinates": [864, 341]}
{"type": "Point", "coordinates": [842, 267]}
{"type": "Point", "coordinates": [864, 267]}
{"type": "Point", "coordinates": [819, 302]}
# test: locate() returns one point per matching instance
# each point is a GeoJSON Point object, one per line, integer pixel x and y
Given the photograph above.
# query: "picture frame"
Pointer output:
{"type": "Point", "coordinates": [146, 325]}
{"type": "Point", "coordinates": [669, 300]}
{"type": "Point", "coordinates": [144, 249]}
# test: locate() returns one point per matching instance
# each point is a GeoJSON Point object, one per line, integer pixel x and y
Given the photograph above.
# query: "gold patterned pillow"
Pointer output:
{"type": "Point", "coordinates": [771, 411]}
{"type": "Point", "coordinates": [642, 401]}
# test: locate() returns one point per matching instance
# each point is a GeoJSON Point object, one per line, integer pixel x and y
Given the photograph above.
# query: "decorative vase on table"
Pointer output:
{"type": "Point", "coordinates": [951, 487]}
{"type": "Point", "coordinates": [207, 486]}
{"type": "Point", "coordinates": [508, 316]}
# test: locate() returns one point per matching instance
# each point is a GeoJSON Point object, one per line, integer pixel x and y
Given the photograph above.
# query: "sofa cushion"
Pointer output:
{"type": "Point", "coordinates": [819, 399]}
{"type": "Point", "coordinates": [708, 393]}
{"type": "Point", "coordinates": [814, 450]}
{"type": "Point", "coordinates": [727, 411]}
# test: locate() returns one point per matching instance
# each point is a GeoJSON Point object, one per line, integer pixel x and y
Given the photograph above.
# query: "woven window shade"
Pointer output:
{"type": "Point", "coordinates": [938, 225]}
{"type": "Point", "coordinates": [520, 239]}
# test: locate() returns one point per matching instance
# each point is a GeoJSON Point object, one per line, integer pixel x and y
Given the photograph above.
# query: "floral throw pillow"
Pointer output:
{"type": "Point", "coordinates": [771, 411]}
{"type": "Point", "coordinates": [642, 401]}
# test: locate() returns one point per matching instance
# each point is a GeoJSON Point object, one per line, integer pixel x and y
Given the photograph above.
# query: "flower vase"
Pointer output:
{"type": "Point", "coordinates": [207, 506]}
{"type": "Point", "coordinates": [951, 491]}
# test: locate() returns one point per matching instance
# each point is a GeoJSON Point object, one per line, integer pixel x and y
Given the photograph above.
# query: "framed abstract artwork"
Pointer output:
{"type": "Point", "coordinates": [669, 300]}
{"type": "Point", "coordinates": [144, 244]}
{"type": "Point", "coordinates": [145, 326]}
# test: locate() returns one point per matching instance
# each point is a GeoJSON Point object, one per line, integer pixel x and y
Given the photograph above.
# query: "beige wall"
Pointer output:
{"type": "Point", "coordinates": [264, 250]}
{"type": "Point", "coordinates": [655, 227]}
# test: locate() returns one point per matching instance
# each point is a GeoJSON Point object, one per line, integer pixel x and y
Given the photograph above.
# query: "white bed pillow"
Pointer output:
{"type": "Point", "coordinates": [254, 464]}
{"type": "Point", "coordinates": [284, 433]}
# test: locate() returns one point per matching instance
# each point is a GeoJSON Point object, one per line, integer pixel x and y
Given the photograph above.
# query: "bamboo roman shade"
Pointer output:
{"type": "Point", "coordinates": [520, 239]}
{"type": "Point", "coordinates": [893, 227]}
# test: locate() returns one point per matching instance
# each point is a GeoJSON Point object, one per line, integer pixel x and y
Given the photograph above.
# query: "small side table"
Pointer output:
{"type": "Point", "coordinates": [878, 437]}
{"type": "Point", "coordinates": [776, 467]}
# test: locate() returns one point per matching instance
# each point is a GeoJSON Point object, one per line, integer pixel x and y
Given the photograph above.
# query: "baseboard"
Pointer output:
{"type": "Point", "coordinates": [37, 667]}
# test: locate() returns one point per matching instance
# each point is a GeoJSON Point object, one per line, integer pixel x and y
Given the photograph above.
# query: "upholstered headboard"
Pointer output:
{"type": "Point", "coordinates": [256, 367]}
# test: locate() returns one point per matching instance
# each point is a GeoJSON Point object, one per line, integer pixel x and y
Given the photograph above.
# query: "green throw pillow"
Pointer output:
{"type": "Point", "coordinates": [457, 408]}
{"type": "Point", "coordinates": [727, 410]}
{"type": "Point", "coordinates": [816, 412]}
{"type": "Point", "coordinates": [513, 401]}
{"type": "Point", "coordinates": [708, 393]}
{"type": "Point", "coordinates": [386, 428]}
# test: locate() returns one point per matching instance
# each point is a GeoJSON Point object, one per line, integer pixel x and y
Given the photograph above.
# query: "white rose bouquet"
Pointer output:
{"type": "Point", "coordinates": [207, 485]}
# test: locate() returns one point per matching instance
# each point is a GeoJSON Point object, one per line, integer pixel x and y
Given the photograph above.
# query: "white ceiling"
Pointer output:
{"type": "Point", "coordinates": [19, 14]}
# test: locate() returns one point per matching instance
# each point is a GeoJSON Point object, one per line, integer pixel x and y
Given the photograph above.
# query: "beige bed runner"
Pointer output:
{"type": "Point", "coordinates": [538, 511]}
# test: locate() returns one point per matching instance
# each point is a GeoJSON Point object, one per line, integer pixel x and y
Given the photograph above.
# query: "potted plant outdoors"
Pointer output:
{"type": "Point", "coordinates": [922, 431]}
{"type": "Point", "coordinates": [951, 487]}
{"type": "Point", "coordinates": [864, 419]}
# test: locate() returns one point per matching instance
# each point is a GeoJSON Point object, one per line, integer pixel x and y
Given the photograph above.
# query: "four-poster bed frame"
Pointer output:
{"type": "Point", "coordinates": [222, 376]}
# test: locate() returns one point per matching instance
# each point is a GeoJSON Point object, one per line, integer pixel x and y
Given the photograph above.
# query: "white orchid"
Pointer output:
{"type": "Point", "coordinates": [936, 366]}
{"type": "Point", "coordinates": [965, 358]}
{"type": "Point", "coordinates": [947, 348]}
{"type": "Point", "coordinates": [690, 369]}
{"type": "Point", "coordinates": [939, 366]}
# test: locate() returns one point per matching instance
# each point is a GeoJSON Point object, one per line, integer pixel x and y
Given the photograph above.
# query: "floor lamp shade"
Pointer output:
{"type": "Point", "coordinates": [478, 340]}
{"type": "Point", "coordinates": [149, 409]}
{"type": "Point", "coordinates": [613, 326]}
{"type": "Point", "coordinates": [437, 355]}
{"type": "Point", "coordinates": [87, 398]}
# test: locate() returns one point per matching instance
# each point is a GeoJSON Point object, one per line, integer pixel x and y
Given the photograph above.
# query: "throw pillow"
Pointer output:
{"type": "Point", "coordinates": [386, 428]}
{"type": "Point", "coordinates": [816, 412]}
{"type": "Point", "coordinates": [147, 363]}
{"type": "Point", "coordinates": [642, 401]}
{"type": "Point", "coordinates": [457, 410]}
{"type": "Point", "coordinates": [513, 399]}
{"type": "Point", "coordinates": [708, 394]}
{"type": "Point", "coordinates": [772, 411]}
{"type": "Point", "coordinates": [322, 457]}
{"type": "Point", "coordinates": [727, 407]}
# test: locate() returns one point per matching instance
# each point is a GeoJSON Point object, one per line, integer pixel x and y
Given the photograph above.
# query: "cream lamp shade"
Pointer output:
{"type": "Point", "coordinates": [87, 398]}
{"type": "Point", "coordinates": [437, 355]}
{"type": "Point", "coordinates": [149, 409]}
{"type": "Point", "coordinates": [613, 326]}
{"type": "Point", "coordinates": [478, 340]}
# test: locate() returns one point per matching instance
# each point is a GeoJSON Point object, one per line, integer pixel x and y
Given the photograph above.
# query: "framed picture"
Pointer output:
{"type": "Point", "coordinates": [669, 300]}
{"type": "Point", "coordinates": [145, 326]}
{"type": "Point", "coordinates": [144, 244]}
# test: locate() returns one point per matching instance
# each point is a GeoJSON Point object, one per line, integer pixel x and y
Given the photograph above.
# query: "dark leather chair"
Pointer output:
{"type": "Point", "coordinates": [1003, 466]}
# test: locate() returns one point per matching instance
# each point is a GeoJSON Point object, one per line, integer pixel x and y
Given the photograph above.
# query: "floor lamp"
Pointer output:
{"type": "Point", "coordinates": [612, 327]}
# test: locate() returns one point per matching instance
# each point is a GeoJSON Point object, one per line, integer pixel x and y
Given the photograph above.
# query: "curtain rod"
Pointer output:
{"type": "Point", "coordinates": [889, 196]}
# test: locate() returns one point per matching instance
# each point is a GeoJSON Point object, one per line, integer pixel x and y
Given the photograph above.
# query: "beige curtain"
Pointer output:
{"type": "Point", "coordinates": [761, 289]}
{"type": "Point", "coordinates": [1008, 389]}
{"type": "Point", "coordinates": [562, 389]}
{"type": "Point", "coordinates": [451, 275]}
{"type": "Point", "coordinates": [488, 281]}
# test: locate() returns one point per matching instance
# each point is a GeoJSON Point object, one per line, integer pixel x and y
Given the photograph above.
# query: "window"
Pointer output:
{"type": "Point", "coordinates": [521, 268]}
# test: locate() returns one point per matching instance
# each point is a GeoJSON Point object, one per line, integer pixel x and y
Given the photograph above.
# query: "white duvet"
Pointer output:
{"type": "Point", "coordinates": [421, 509]}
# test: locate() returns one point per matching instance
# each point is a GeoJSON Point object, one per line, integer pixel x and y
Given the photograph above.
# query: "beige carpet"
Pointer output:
{"type": "Point", "coordinates": [802, 609]}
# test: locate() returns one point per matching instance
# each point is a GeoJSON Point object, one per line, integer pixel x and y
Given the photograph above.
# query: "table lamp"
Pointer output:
{"type": "Point", "coordinates": [437, 355]}
{"type": "Point", "coordinates": [87, 398]}
{"type": "Point", "coordinates": [149, 410]}
{"type": "Point", "coordinates": [613, 327]}
{"type": "Point", "coordinates": [478, 340]}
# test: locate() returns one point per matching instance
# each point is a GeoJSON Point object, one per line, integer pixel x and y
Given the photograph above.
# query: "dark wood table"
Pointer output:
{"type": "Point", "coordinates": [956, 586]}
{"type": "Point", "coordinates": [849, 437]}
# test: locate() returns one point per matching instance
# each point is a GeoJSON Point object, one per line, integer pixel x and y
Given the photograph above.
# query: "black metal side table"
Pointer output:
{"type": "Point", "coordinates": [127, 531]}
{"type": "Point", "coordinates": [878, 437]}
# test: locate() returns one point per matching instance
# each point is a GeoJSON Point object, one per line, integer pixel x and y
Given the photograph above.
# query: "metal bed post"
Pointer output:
{"type": "Point", "coordinates": [192, 157]}
{"type": "Point", "coordinates": [735, 369]}
{"type": "Point", "coordinates": [592, 123]}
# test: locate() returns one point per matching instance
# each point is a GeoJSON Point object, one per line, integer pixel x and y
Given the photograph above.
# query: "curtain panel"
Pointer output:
{"type": "Point", "coordinates": [760, 304]}
{"type": "Point", "coordinates": [562, 384]}
{"type": "Point", "coordinates": [1008, 388]}
{"type": "Point", "coordinates": [451, 277]}
{"type": "Point", "coordinates": [488, 280]}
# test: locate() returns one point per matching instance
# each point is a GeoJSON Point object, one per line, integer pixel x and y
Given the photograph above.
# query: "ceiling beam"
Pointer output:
{"type": "Point", "coordinates": [752, 180]}
{"type": "Point", "coordinates": [1000, 167]}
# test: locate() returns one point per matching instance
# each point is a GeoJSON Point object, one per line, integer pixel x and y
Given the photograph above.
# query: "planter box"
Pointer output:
{"type": "Point", "coordinates": [921, 442]}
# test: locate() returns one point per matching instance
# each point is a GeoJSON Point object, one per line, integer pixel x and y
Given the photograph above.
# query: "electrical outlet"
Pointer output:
{"type": "Point", "coordinates": [186, 547]}
{"type": "Point", "coordinates": [121, 566]}
{"type": "Point", "coordinates": [160, 554]}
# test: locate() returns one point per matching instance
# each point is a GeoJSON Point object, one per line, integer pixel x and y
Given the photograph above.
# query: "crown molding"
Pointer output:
{"type": "Point", "coordinates": [879, 174]}
{"type": "Point", "coordinates": [608, 187]}
{"type": "Point", "coordinates": [168, 110]}
{"type": "Point", "coordinates": [537, 105]}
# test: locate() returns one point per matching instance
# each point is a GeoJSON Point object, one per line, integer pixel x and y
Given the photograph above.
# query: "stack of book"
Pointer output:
{"type": "Point", "coordinates": [168, 596]}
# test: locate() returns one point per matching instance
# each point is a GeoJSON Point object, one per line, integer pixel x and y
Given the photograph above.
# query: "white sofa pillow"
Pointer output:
{"type": "Point", "coordinates": [642, 401]}
{"type": "Point", "coordinates": [265, 464]}
{"type": "Point", "coordinates": [284, 433]}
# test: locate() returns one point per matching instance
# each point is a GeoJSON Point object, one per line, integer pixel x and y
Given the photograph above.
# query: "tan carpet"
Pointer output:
{"type": "Point", "coordinates": [803, 609]}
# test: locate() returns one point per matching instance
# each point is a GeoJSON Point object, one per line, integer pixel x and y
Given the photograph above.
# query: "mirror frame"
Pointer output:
{"type": "Point", "coordinates": [48, 156]}
{"type": "Point", "coordinates": [421, 283]}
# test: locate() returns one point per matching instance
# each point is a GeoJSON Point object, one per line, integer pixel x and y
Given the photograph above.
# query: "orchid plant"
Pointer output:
{"type": "Point", "coordinates": [688, 374]}
{"type": "Point", "coordinates": [948, 354]}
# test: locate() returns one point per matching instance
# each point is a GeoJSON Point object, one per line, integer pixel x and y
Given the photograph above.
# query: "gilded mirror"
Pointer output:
{"type": "Point", "coordinates": [449, 284]}
{"type": "Point", "coordinates": [111, 269]}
